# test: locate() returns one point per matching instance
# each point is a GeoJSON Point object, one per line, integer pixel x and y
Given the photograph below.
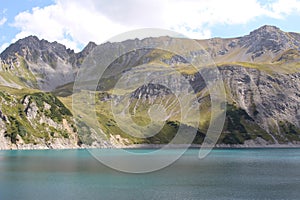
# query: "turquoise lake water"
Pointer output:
{"type": "Point", "coordinates": [224, 174]}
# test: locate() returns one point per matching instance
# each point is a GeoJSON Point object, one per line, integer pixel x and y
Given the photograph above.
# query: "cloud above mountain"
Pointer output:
{"type": "Point", "coordinates": [75, 22]}
{"type": "Point", "coordinates": [3, 19]}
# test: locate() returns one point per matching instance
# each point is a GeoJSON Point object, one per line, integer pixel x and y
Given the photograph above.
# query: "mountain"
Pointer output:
{"type": "Point", "coordinates": [39, 64]}
{"type": "Point", "coordinates": [261, 73]}
{"type": "Point", "coordinates": [263, 45]}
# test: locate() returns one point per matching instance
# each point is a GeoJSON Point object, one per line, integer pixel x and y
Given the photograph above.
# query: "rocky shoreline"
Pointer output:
{"type": "Point", "coordinates": [151, 146]}
{"type": "Point", "coordinates": [219, 146]}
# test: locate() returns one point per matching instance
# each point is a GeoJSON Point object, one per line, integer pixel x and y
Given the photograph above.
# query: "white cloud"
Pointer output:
{"type": "Point", "coordinates": [2, 21]}
{"type": "Point", "coordinates": [283, 8]}
{"type": "Point", "coordinates": [76, 22]}
{"type": "Point", "coordinates": [3, 47]}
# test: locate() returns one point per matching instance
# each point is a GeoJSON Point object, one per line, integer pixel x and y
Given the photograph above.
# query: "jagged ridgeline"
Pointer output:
{"type": "Point", "coordinates": [261, 74]}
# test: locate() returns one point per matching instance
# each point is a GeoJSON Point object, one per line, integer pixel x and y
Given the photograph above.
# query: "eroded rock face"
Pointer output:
{"type": "Point", "coordinates": [267, 99]}
{"type": "Point", "coordinates": [31, 108]}
{"type": "Point", "coordinates": [151, 91]}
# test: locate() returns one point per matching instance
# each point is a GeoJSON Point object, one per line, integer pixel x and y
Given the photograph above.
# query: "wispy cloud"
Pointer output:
{"type": "Point", "coordinates": [2, 21]}
{"type": "Point", "coordinates": [76, 22]}
{"type": "Point", "coordinates": [283, 8]}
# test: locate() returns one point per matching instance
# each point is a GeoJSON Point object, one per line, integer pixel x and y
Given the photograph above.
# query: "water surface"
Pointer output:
{"type": "Point", "coordinates": [224, 174]}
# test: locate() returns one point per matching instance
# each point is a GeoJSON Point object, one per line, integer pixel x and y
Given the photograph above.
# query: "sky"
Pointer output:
{"type": "Point", "coordinates": [76, 22]}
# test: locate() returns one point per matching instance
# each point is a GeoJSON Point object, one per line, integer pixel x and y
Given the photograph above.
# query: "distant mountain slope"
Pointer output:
{"type": "Point", "coordinates": [261, 73]}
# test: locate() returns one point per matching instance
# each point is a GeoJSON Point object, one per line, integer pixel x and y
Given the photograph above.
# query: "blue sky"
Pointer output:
{"type": "Point", "coordinates": [75, 22]}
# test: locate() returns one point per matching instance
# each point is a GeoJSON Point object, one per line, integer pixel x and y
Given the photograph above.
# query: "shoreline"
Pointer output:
{"type": "Point", "coordinates": [220, 146]}
{"type": "Point", "coordinates": [177, 146]}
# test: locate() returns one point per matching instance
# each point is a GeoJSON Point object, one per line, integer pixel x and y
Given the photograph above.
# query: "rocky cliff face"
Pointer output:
{"type": "Point", "coordinates": [272, 101]}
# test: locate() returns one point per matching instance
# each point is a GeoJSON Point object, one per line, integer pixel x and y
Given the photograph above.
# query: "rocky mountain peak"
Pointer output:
{"type": "Point", "coordinates": [87, 49]}
{"type": "Point", "coordinates": [268, 40]}
{"type": "Point", "coordinates": [32, 49]}
{"type": "Point", "coordinates": [266, 29]}
{"type": "Point", "coordinates": [51, 63]}
{"type": "Point", "coordinates": [90, 46]}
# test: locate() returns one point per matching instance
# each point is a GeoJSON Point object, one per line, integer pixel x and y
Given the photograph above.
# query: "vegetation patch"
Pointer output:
{"type": "Point", "coordinates": [57, 109]}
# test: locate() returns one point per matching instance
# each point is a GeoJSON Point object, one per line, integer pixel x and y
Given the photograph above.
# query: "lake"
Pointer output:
{"type": "Point", "coordinates": [224, 174]}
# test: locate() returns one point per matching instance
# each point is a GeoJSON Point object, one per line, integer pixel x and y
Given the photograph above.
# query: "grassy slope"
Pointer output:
{"type": "Point", "coordinates": [20, 74]}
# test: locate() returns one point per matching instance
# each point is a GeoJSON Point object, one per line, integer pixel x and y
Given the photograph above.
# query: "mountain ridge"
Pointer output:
{"type": "Point", "coordinates": [261, 73]}
{"type": "Point", "coordinates": [52, 63]}
{"type": "Point", "coordinates": [266, 32]}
